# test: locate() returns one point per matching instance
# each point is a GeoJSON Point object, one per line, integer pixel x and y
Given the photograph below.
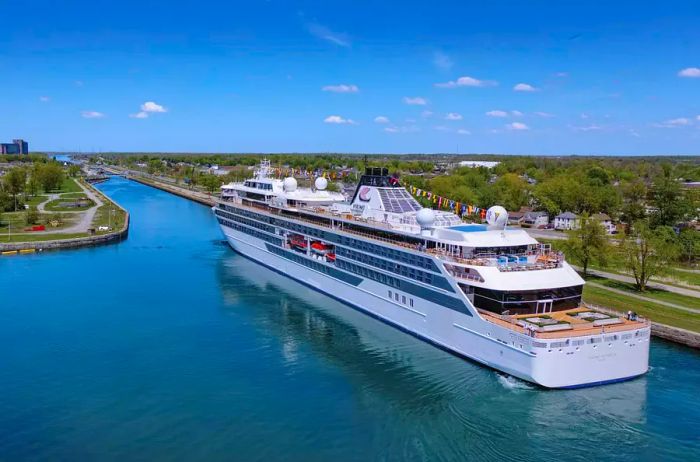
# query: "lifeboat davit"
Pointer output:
{"type": "Point", "coordinates": [298, 241]}
{"type": "Point", "coordinates": [320, 247]}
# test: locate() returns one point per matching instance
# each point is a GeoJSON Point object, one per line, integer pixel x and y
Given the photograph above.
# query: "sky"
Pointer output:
{"type": "Point", "coordinates": [512, 77]}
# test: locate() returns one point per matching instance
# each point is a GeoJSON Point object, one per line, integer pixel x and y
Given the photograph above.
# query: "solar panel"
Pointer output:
{"type": "Point", "coordinates": [398, 200]}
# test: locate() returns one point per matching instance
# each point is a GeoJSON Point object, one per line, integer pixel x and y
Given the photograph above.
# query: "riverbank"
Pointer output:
{"type": "Point", "coordinates": [68, 239]}
{"type": "Point", "coordinates": [667, 332]}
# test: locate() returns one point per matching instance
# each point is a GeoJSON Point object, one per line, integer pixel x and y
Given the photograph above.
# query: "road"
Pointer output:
{"type": "Point", "coordinates": [652, 285]}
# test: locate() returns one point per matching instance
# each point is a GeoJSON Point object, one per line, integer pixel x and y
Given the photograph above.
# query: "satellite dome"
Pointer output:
{"type": "Point", "coordinates": [425, 218]}
{"type": "Point", "coordinates": [289, 184]}
{"type": "Point", "coordinates": [497, 216]}
{"type": "Point", "coordinates": [321, 183]}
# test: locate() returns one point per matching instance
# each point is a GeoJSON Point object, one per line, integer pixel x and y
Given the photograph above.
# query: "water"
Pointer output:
{"type": "Point", "coordinates": [469, 228]}
{"type": "Point", "coordinates": [169, 346]}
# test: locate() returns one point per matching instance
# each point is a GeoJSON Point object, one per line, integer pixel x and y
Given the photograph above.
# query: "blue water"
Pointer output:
{"type": "Point", "coordinates": [169, 346]}
{"type": "Point", "coordinates": [469, 228]}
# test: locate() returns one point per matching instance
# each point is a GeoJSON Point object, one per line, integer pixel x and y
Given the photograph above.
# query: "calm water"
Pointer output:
{"type": "Point", "coordinates": [169, 346]}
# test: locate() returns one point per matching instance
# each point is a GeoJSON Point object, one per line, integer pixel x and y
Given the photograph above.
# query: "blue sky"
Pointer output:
{"type": "Point", "coordinates": [520, 77]}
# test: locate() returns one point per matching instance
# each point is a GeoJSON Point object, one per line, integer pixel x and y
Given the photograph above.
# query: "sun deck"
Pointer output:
{"type": "Point", "coordinates": [577, 322]}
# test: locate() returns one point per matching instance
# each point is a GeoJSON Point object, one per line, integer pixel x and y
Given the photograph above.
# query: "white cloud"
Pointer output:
{"type": "Point", "coordinates": [336, 119]}
{"type": "Point", "coordinates": [328, 35]}
{"type": "Point", "coordinates": [698, 118]}
{"type": "Point", "coordinates": [524, 87]}
{"type": "Point", "coordinates": [497, 113]}
{"type": "Point", "coordinates": [466, 81]}
{"type": "Point", "coordinates": [674, 123]}
{"type": "Point", "coordinates": [546, 115]}
{"type": "Point", "coordinates": [516, 113]}
{"type": "Point", "coordinates": [463, 131]}
{"type": "Point", "coordinates": [634, 133]}
{"type": "Point", "coordinates": [92, 115]}
{"type": "Point", "coordinates": [342, 88]}
{"type": "Point", "coordinates": [561, 74]}
{"type": "Point", "coordinates": [517, 126]}
{"type": "Point", "coordinates": [392, 129]}
{"type": "Point", "coordinates": [442, 61]}
{"type": "Point", "coordinates": [426, 114]}
{"type": "Point", "coordinates": [441, 128]}
{"type": "Point", "coordinates": [405, 129]}
{"type": "Point", "coordinates": [689, 72]}
{"type": "Point", "coordinates": [44, 99]}
{"type": "Point", "coordinates": [453, 116]}
{"type": "Point", "coordinates": [584, 115]}
{"type": "Point", "coordinates": [381, 120]}
{"type": "Point", "coordinates": [588, 128]}
{"type": "Point", "coordinates": [415, 100]}
{"type": "Point", "coordinates": [150, 106]}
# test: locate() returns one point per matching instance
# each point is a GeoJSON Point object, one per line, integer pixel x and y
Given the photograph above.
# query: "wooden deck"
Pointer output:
{"type": "Point", "coordinates": [579, 327]}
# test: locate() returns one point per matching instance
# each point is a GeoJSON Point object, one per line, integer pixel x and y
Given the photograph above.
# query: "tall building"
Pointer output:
{"type": "Point", "coordinates": [16, 147]}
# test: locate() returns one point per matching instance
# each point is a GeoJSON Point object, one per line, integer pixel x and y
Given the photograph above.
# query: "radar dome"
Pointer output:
{"type": "Point", "coordinates": [289, 184]}
{"type": "Point", "coordinates": [321, 183]}
{"type": "Point", "coordinates": [425, 218]}
{"type": "Point", "coordinates": [497, 216]}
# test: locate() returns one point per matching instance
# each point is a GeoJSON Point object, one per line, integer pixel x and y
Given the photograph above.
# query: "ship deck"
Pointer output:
{"type": "Point", "coordinates": [578, 327]}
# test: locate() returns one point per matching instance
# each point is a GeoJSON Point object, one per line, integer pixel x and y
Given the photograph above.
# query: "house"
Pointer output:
{"type": "Point", "coordinates": [514, 218]}
{"type": "Point", "coordinates": [606, 221]}
{"type": "Point", "coordinates": [535, 220]}
{"type": "Point", "coordinates": [566, 220]}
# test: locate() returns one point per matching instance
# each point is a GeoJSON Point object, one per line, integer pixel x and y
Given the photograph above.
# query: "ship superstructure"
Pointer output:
{"type": "Point", "coordinates": [485, 292]}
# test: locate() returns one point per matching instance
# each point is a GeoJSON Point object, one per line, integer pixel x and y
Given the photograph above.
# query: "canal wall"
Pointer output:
{"type": "Point", "coordinates": [670, 333]}
{"type": "Point", "coordinates": [72, 243]}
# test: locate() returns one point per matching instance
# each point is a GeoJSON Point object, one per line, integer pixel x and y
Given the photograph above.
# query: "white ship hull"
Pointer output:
{"type": "Point", "coordinates": [610, 360]}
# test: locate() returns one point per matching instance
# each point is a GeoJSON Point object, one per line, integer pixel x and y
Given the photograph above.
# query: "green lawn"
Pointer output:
{"type": "Point", "coordinates": [655, 312]}
{"type": "Point", "coordinates": [38, 237]}
{"type": "Point", "coordinates": [656, 294]}
{"type": "Point", "coordinates": [36, 200]}
{"type": "Point", "coordinates": [16, 222]}
{"type": "Point", "coordinates": [109, 215]}
{"type": "Point", "coordinates": [55, 205]}
{"type": "Point", "coordinates": [68, 186]}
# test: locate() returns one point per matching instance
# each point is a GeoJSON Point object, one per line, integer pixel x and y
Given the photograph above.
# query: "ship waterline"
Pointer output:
{"type": "Point", "coordinates": [431, 278]}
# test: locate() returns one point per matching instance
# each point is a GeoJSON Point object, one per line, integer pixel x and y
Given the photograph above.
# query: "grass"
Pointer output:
{"type": "Point", "coordinates": [657, 313]}
{"type": "Point", "coordinates": [68, 185]}
{"type": "Point", "coordinates": [656, 294]}
{"type": "Point", "coordinates": [38, 237]}
{"type": "Point", "coordinates": [55, 205]}
{"type": "Point", "coordinates": [73, 195]}
{"type": "Point", "coordinates": [36, 200]}
{"type": "Point", "coordinates": [102, 217]}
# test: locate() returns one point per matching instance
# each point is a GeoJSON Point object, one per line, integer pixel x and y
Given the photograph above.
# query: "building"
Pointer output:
{"type": "Point", "coordinates": [566, 221]}
{"type": "Point", "coordinates": [478, 163]}
{"type": "Point", "coordinates": [606, 221]}
{"type": "Point", "coordinates": [535, 220]}
{"type": "Point", "coordinates": [16, 147]}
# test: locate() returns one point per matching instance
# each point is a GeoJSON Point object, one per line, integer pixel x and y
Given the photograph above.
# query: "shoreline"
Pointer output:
{"type": "Point", "coordinates": [15, 248]}
{"type": "Point", "coordinates": [669, 333]}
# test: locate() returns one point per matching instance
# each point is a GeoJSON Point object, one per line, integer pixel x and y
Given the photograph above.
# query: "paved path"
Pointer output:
{"type": "Point", "coordinates": [652, 285]}
{"type": "Point", "coordinates": [84, 221]}
{"type": "Point", "coordinates": [646, 299]}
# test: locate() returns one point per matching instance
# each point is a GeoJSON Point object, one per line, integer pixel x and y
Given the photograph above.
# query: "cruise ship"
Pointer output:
{"type": "Point", "coordinates": [484, 292]}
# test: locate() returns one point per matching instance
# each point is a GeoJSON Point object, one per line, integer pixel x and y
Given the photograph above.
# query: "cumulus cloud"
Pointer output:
{"type": "Point", "coordinates": [674, 123]}
{"type": "Point", "coordinates": [546, 115]}
{"type": "Point", "coordinates": [588, 128]}
{"type": "Point", "coordinates": [426, 114]}
{"type": "Point", "coordinates": [44, 99]}
{"type": "Point", "coordinates": [689, 72]}
{"type": "Point", "coordinates": [516, 113]}
{"type": "Point", "coordinates": [324, 33]}
{"type": "Point", "coordinates": [381, 120]}
{"type": "Point", "coordinates": [336, 119]}
{"type": "Point", "coordinates": [392, 129]}
{"type": "Point", "coordinates": [92, 115]}
{"type": "Point", "coordinates": [148, 108]}
{"type": "Point", "coordinates": [405, 129]}
{"type": "Point", "coordinates": [517, 126]}
{"type": "Point", "coordinates": [442, 61]}
{"type": "Point", "coordinates": [415, 100]}
{"type": "Point", "coordinates": [463, 131]}
{"type": "Point", "coordinates": [524, 87]}
{"type": "Point", "coordinates": [453, 116]}
{"type": "Point", "coordinates": [342, 88]}
{"type": "Point", "coordinates": [466, 81]}
{"type": "Point", "coordinates": [497, 113]}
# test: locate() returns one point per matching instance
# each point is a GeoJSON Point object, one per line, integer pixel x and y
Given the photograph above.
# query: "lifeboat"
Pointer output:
{"type": "Point", "coordinates": [330, 257]}
{"type": "Point", "coordinates": [298, 241]}
{"type": "Point", "coordinates": [320, 247]}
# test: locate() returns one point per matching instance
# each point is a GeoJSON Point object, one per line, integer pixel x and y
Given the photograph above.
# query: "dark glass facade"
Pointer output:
{"type": "Point", "coordinates": [526, 301]}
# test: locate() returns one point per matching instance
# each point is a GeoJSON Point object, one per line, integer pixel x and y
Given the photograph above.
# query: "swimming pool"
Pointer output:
{"type": "Point", "coordinates": [469, 228]}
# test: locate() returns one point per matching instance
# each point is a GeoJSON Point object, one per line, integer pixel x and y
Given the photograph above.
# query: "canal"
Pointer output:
{"type": "Point", "coordinates": [169, 346]}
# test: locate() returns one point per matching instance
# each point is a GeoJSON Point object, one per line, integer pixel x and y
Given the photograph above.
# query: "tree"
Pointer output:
{"type": "Point", "coordinates": [74, 170]}
{"type": "Point", "coordinates": [14, 182]}
{"type": "Point", "coordinates": [31, 216]}
{"type": "Point", "coordinates": [50, 176]}
{"type": "Point", "coordinates": [588, 243]}
{"type": "Point", "coordinates": [211, 183]}
{"type": "Point", "coordinates": [689, 244]}
{"type": "Point", "coordinates": [671, 204]}
{"type": "Point", "coordinates": [648, 251]}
